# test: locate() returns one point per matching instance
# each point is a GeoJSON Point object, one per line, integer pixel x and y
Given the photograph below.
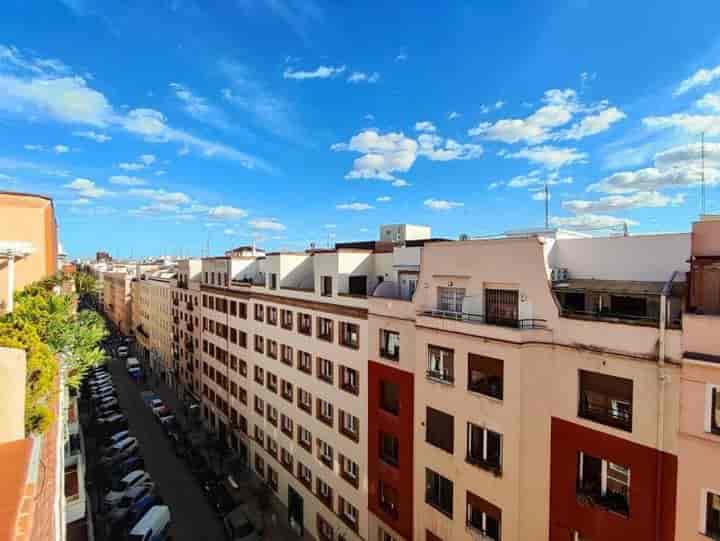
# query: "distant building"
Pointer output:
{"type": "Point", "coordinates": [103, 257]}
{"type": "Point", "coordinates": [28, 242]}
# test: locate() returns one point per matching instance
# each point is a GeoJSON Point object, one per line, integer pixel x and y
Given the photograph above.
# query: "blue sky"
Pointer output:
{"type": "Point", "coordinates": [160, 127]}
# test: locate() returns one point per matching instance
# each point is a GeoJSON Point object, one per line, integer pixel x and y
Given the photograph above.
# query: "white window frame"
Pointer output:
{"type": "Point", "coordinates": [305, 397]}
{"type": "Point", "coordinates": [323, 488]}
{"type": "Point", "coordinates": [326, 409]}
{"type": "Point", "coordinates": [348, 510]}
{"type": "Point", "coordinates": [353, 470]}
{"type": "Point", "coordinates": [484, 430]}
{"type": "Point", "coordinates": [326, 367]}
{"type": "Point", "coordinates": [604, 467]}
{"type": "Point", "coordinates": [305, 435]}
{"type": "Point", "coordinates": [326, 450]}
{"type": "Point", "coordinates": [708, 406]}
{"type": "Point", "coordinates": [354, 422]}
{"type": "Point", "coordinates": [702, 527]}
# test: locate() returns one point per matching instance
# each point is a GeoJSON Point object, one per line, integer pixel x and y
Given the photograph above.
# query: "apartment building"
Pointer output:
{"type": "Point", "coordinates": [186, 328]}
{"type": "Point", "coordinates": [117, 299]}
{"type": "Point", "coordinates": [699, 438]}
{"type": "Point", "coordinates": [28, 242]}
{"type": "Point", "coordinates": [528, 389]}
{"type": "Point", "coordinates": [284, 356]}
{"type": "Point", "coordinates": [152, 322]}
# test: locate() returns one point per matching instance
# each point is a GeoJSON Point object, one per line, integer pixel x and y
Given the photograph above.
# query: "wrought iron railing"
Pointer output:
{"type": "Point", "coordinates": [514, 323]}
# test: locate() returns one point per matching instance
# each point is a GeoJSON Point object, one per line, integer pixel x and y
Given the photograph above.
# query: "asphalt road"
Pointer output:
{"type": "Point", "coordinates": [192, 517]}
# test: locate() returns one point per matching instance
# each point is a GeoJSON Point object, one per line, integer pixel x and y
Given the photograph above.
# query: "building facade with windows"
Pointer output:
{"type": "Point", "coordinates": [542, 389]}
{"type": "Point", "coordinates": [186, 329]}
{"type": "Point", "coordinates": [698, 476]}
{"type": "Point", "coordinates": [117, 299]}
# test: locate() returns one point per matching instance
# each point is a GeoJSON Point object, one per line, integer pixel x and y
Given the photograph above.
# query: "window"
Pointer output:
{"type": "Point", "coordinates": [259, 375]}
{"type": "Point", "coordinates": [349, 380]}
{"type": "Point", "coordinates": [259, 406]}
{"type": "Point", "coordinates": [286, 354]}
{"type": "Point", "coordinates": [272, 315]}
{"type": "Point", "coordinates": [326, 286]}
{"type": "Point", "coordinates": [304, 362]}
{"type": "Point", "coordinates": [304, 438]}
{"type": "Point", "coordinates": [259, 435]}
{"type": "Point", "coordinates": [325, 453]}
{"type": "Point", "coordinates": [325, 411]}
{"type": "Point", "coordinates": [305, 324]}
{"type": "Point", "coordinates": [304, 474]}
{"type": "Point", "coordinates": [286, 425]}
{"type": "Point", "coordinates": [242, 310]}
{"type": "Point", "coordinates": [389, 448]}
{"type": "Point", "coordinates": [325, 329]}
{"type": "Point", "coordinates": [485, 375]}
{"type": "Point", "coordinates": [272, 478]}
{"type": "Point", "coordinates": [484, 448]}
{"type": "Point", "coordinates": [272, 382]}
{"type": "Point", "coordinates": [357, 285]}
{"type": "Point", "coordinates": [272, 349]}
{"type": "Point", "coordinates": [388, 499]}
{"type": "Point", "coordinates": [242, 339]}
{"type": "Point", "coordinates": [349, 425]}
{"type": "Point", "coordinates": [450, 299]}
{"type": "Point", "coordinates": [259, 466]}
{"type": "Point", "coordinates": [286, 390]}
{"type": "Point", "coordinates": [286, 459]}
{"type": "Point", "coordinates": [348, 513]}
{"type": "Point", "coordinates": [271, 447]}
{"type": "Point", "coordinates": [233, 308]}
{"type": "Point", "coordinates": [242, 368]}
{"type": "Point", "coordinates": [242, 395]}
{"type": "Point", "coordinates": [712, 515]}
{"type": "Point", "coordinates": [259, 344]}
{"type": "Point", "coordinates": [501, 307]}
{"type": "Point", "coordinates": [385, 536]}
{"type": "Point", "coordinates": [439, 429]}
{"type": "Point", "coordinates": [389, 345]}
{"type": "Point", "coordinates": [286, 319]}
{"type": "Point", "coordinates": [272, 415]}
{"type": "Point", "coordinates": [714, 424]}
{"type": "Point", "coordinates": [349, 470]}
{"type": "Point", "coordinates": [259, 312]}
{"type": "Point", "coordinates": [304, 400]}
{"type": "Point", "coordinates": [606, 399]}
{"type": "Point", "coordinates": [325, 531]}
{"type": "Point", "coordinates": [324, 492]}
{"type": "Point", "coordinates": [390, 397]}
{"type": "Point", "coordinates": [441, 364]}
{"type": "Point", "coordinates": [350, 335]}
{"type": "Point", "coordinates": [603, 483]}
{"type": "Point", "coordinates": [439, 492]}
{"type": "Point", "coordinates": [273, 281]}
{"type": "Point", "coordinates": [483, 517]}
{"type": "Point", "coordinates": [325, 370]}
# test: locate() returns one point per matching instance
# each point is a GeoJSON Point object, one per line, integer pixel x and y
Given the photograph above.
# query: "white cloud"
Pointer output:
{"type": "Point", "coordinates": [540, 196]}
{"type": "Point", "coordinates": [268, 224]}
{"type": "Point", "coordinates": [80, 201]}
{"type": "Point", "coordinates": [536, 178]}
{"type": "Point", "coordinates": [441, 204]}
{"type": "Point", "coordinates": [131, 166]}
{"type": "Point", "coordinates": [93, 135]}
{"type": "Point", "coordinates": [330, 226]}
{"type": "Point", "coordinates": [590, 221]}
{"type": "Point", "coordinates": [354, 206]}
{"type": "Point", "coordinates": [384, 199]}
{"type": "Point", "coordinates": [382, 156]}
{"type": "Point", "coordinates": [614, 203]}
{"type": "Point", "coordinates": [127, 181]}
{"type": "Point", "coordinates": [229, 231]}
{"type": "Point", "coordinates": [558, 109]}
{"type": "Point", "coordinates": [198, 106]}
{"type": "Point", "coordinates": [676, 167]}
{"type": "Point", "coordinates": [86, 188]}
{"type": "Point", "coordinates": [148, 159]}
{"type": "Point", "coordinates": [710, 101]}
{"type": "Point", "coordinates": [34, 148]}
{"type": "Point", "coordinates": [592, 124]}
{"type": "Point", "coordinates": [701, 77]}
{"type": "Point", "coordinates": [160, 172]}
{"type": "Point", "coordinates": [425, 126]}
{"type": "Point", "coordinates": [224, 212]}
{"type": "Point", "coordinates": [61, 149]}
{"type": "Point", "coordinates": [499, 104]}
{"type": "Point", "coordinates": [453, 115]}
{"type": "Point", "coordinates": [710, 124]}
{"type": "Point", "coordinates": [161, 196]}
{"type": "Point", "coordinates": [484, 109]}
{"type": "Point", "coordinates": [402, 57]}
{"type": "Point", "coordinates": [369, 117]}
{"type": "Point", "coordinates": [362, 77]}
{"type": "Point", "coordinates": [12, 58]}
{"type": "Point", "coordinates": [495, 185]}
{"type": "Point", "coordinates": [436, 148]}
{"type": "Point", "coordinates": [321, 72]}
{"type": "Point", "coordinates": [400, 183]}
{"type": "Point", "coordinates": [550, 156]}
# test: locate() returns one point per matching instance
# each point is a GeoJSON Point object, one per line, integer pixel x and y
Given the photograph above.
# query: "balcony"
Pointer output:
{"type": "Point", "coordinates": [189, 306]}
{"type": "Point", "coordinates": [522, 324]}
{"type": "Point", "coordinates": [612, 501]}
{"type": "Point", "coordinates": [607, 415]}
{"type": "Point", "coordinates": [190, 326]}
{"type": "Point", "coordinates": [442, 377]}
{"type": "Point", "coordinates": [175, 301]}
{"type": "Point", "coordinates": [350, 387]}
{"type": "Point", "coordinates": [492, 466]}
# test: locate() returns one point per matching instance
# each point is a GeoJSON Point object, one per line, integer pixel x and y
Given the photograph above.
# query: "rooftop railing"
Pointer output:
{"type": "Point", "coordinates": [467, 317]}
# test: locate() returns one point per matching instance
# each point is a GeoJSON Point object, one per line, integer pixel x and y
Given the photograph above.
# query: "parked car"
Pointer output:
{"type": "Point", "coordinates": [156, 403]}
{"type": "Point", "coordinates": [121, 450]}
{"type": "Point", "coordinates": [120, 488]}
{"type": "Point", "coordinates": [106, 401]}
{"type": "Point", "coordinates": [163, 414]}
{"type": "Point", "coordinates": [138, 511]}
{"type": "Point", "coordinates": [121, 469]}
{"type": "Point", "coordinates": [154, 526]}
{"type": "Point", "coordinates": [208, 480]}
{"type": "Point", "coordinates": [131, 497]}
{"type": "Point", "coordinates": [116, 437]}
{"type": "Point", "coordinates": [196, 462]}
{"type": "Point", "coordinates": [123, 351]}
{"type": "Point", "coordinates": [171, 426]}
{"type": "Point", "coordinates": [239, 527]}
{"type": "Point", "coordinates": [111, 423]}
{"type": "Point", "coordinates": [220, 499]}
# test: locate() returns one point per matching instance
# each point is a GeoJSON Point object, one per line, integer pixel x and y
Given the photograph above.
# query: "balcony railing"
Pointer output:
{"type": "Point", "coordinates": [514, 323]}
{"type": "Point", "coordinates": [605, 315]}
{"type": "Point", "coordinates": [618, 418]}
{"type": "Point", "coordinates": [613, 501]}
{"type": "Point", "coordinates": [444, 377]}
{"type": "Point", "coordinates": [485, 464]}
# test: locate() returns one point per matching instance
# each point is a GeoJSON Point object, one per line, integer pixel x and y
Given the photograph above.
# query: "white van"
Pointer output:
{"type": "Point", "coordinates": [154, 526]}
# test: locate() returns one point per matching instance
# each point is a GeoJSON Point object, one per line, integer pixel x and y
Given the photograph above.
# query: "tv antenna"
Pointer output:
{"type": "Point", "coordinates": [547, 206]}
{"type": "Point", "coordinates": [702, 172]}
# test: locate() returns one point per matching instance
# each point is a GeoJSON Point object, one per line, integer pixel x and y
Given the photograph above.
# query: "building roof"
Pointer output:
{"type": "Point", "coordinates": [628, 287]}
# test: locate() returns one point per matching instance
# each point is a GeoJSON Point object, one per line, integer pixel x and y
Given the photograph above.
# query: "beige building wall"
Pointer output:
{"type": "Point", "coordinates": [155, 316]}
{"type": "Point", "coordinates": [118, 300]}
{"type": "Point", "coordinates": [31, 219]}
{"type": "Point", "coordinates": [186, 327]}
{"type": "Point", "coordinates": [12, 394]}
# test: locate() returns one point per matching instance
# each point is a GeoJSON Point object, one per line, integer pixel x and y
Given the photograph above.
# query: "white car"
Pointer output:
{"type": "Point", "coordinates": [156, 403]}
{"type": "Point", "coordinates": [120, 488]}
{"type": "Point", "coordinates": [99, 382]}
{"type": "Point", "coordinates": [120, 450]}
{"type": "Point", "coordinates": [102, 392]}
{"type": "Point", "coordinates": [113, 439]}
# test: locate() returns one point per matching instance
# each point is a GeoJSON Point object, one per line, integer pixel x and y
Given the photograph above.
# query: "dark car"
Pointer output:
{"type": "Point", "coordinates": [220, 499]}
{"type": "Point", "coordinates": [133, 516]}
{"type": "Point", "coordinates": [208, 480]}
{"type": "Point", "coordinates": [121, 469]}
{"type": "Point", "coordinates": [196, 462]}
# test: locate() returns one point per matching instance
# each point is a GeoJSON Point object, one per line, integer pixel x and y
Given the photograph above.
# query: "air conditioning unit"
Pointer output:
{"type": "Point", "coordinates": [559, 275]}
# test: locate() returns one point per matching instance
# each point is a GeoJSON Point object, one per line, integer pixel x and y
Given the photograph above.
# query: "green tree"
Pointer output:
{"type": "Point", "coordinates": [85, 284]}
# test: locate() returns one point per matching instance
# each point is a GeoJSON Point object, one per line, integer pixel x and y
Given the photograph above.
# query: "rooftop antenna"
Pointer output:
{"type": "Point", "coordinates": [547, 206]}
{"type": "Point", "coordinates": [702, 172]}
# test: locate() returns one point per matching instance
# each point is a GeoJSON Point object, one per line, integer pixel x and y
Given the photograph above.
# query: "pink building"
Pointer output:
{"type": "Point", "coordinates": [699, 440]}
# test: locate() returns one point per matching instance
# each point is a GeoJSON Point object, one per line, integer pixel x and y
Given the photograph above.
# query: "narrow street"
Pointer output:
{"type": "Point", "coordinates": [192, 517]}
